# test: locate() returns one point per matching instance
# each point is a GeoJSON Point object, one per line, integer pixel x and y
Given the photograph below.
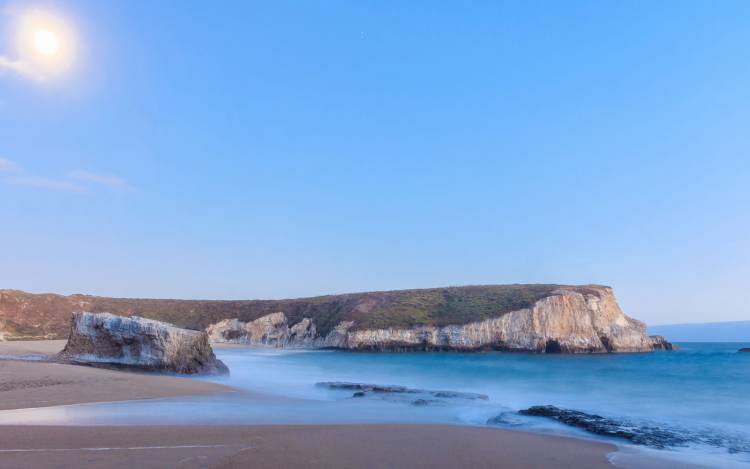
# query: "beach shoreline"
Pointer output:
{"type": "Point", "coordinates": [30, 378]}
{"type": "Point", "coordinates": [28, 381]}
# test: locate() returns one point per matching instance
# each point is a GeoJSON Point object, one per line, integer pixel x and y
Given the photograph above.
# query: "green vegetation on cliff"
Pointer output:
{"type": "Point", "coordinates": [47, 315]}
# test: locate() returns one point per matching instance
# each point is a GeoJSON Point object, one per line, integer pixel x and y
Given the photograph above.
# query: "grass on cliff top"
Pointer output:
{"type": "Point", "coordinates": [452, 305]}
{"type": "Point", "coordinates": [49, 315]}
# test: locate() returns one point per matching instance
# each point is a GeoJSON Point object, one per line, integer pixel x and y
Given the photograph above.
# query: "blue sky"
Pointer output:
{"type": "Point", "coordinates": [286, 149]}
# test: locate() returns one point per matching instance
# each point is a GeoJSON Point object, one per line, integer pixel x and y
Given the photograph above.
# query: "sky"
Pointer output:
{"type": "Point", "coordinates": [239, 150]}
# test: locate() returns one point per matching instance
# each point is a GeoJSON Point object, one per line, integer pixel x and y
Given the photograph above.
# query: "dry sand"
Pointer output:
{"type": "Point", "coordinates": [25, 384]}
{"type": "Point", "coordinates": [20, 348]}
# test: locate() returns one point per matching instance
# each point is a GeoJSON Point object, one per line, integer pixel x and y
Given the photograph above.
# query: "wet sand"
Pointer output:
{"type": "Point", "coordinates": [25, 384]}
{"type": "Point", "coordinates": [330, 446]}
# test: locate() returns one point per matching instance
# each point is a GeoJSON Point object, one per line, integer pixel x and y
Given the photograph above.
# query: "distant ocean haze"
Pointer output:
{"type": "Point", "coordinates": [730, 331]}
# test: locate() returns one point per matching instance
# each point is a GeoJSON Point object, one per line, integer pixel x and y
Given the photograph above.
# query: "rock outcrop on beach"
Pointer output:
{"type": "Point", "coordinates": [108, 340]}
{"type": "Point", "coordinates": [566, 321]}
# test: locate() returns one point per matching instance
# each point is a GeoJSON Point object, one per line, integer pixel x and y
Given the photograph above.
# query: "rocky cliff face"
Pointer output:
{"type": "Point", "coordinates": [566, 321]}
{"type": "Point", "coordinates": [106, 339]}
{"type": "Point", "coordinates": [538, 317]}
{"type": "Point", "coordinates": [28, 316]}
{"type": "Point", "coordinates": [273, 331]}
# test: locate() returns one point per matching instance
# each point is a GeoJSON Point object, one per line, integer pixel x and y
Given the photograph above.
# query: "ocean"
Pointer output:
{"type": "Point", "coordinates": [694, 402]}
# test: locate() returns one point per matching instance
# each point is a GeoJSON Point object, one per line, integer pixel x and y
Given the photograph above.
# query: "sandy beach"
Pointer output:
{"type": "Point", "coordinates": [26, 384]}
{"type": "Point", "coordinates": [331, 446]}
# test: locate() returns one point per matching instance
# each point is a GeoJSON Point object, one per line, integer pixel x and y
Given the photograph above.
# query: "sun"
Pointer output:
{"type": "Point", "coordinates": [46, 42]}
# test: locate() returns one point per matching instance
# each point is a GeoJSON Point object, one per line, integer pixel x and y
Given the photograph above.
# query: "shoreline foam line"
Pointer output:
{"type": "Point", "coordinates": [126, 448]}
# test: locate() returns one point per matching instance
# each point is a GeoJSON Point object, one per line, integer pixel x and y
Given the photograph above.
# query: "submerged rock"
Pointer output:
{"type": "Point", "coordinates": [106, 339]}
{"type": "Point", "coordinates": [648, 435]}
{"type": "Point", "coordinates": [507, 419]}
{"type": "Point", "coordinates": [569, 320]}
{"type": "Point", "coordinates": [363, 389]}
{"type": "Point", "coordinates": [642, 432]}
{"type": "Point", "coordinates": [425, 402]}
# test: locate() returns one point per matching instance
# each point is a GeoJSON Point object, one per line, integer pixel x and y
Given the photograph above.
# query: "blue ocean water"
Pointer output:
{"type": "Point", "coordinates": [701, 391]}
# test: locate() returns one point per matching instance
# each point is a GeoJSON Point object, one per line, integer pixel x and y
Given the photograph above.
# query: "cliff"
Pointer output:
{"type": "Point", "coordinates": [513, 317]}
{"type": "Point", "coordinates": [106, 339]}
{"type": "Point", "coordinates": [27, 315]}
{"type": "Point", "coordinates": [566, 321]}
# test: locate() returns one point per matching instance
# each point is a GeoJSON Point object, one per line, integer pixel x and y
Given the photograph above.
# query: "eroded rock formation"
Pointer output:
{"type": "Point", "coordinates": [270, 331]}
{"type": "Point", "coordinates": [660, 343]}
{"type": "Point", "coordinates": [649, 435]}
{"type": "Point", "coordinates": [566, 321]}
{"type": "Point", "coordinates": [106, 339]}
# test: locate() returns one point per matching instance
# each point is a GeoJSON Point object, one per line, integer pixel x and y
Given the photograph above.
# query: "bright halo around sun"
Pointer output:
{"type": "Point", "coordinates": [46, 43]}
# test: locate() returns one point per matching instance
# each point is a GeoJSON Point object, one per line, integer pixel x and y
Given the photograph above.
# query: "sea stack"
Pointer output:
{"type": "Point", "coordinates": [104, 339]}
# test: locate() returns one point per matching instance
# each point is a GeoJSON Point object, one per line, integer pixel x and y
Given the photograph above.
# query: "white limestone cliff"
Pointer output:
{"type": "Point", "coordinates": [567, 321]}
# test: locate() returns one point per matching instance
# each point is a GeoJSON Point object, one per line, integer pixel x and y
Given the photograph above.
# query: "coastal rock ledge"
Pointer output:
{"type": "Point", "coordinates": [568, 320]}
{"type": "Point", "coordinates": [104, 339]}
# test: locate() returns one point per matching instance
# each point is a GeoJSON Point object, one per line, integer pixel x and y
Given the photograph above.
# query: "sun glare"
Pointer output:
{"type": "Point", "coordinates": [46, 43]}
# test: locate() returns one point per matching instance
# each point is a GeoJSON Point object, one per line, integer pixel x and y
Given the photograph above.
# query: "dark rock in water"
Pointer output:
{"type": "Point", "coordinates": [458, 395]}
{"type": "Point", "coordinates": [424, 402]}
{"type": "Point", "coordinates": [641, 432]}
{"type": "Point", "coordinates": [363, 389]}
{"type": "Point", "coordinates": [744, 350]}
{"type": "Point", "coordinates": [654, 436]}
{"type": "Point", "coordinates": [505, 419]}
{"type": "Point", "coordinates": [658, 342]}
{"type": "Point", "coordinates": [497, 420]}
{"type": "Point", "coordinates": [107, 340]}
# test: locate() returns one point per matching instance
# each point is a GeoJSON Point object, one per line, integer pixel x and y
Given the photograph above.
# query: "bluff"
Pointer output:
{"type": "Point", "coordinates": [569, 320]}
{"type": "Point", "coordinates": [537, 317]}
